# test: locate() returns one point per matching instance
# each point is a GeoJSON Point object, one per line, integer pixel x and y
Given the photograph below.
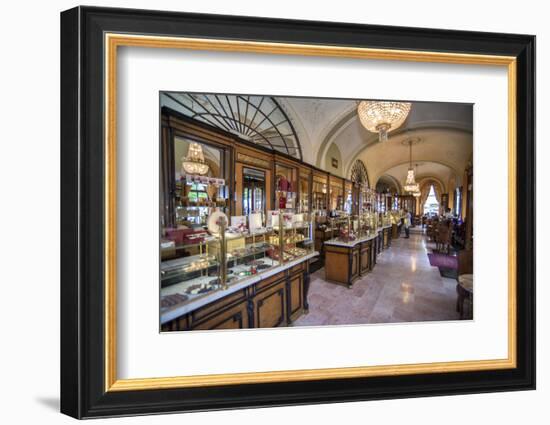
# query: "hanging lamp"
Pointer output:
{"type": "Point", "coordinates": [410, 184]}
{"type": "Point", "coordinates": [194, 162]}
{"type": "Point", "coordinates": [382, 117]}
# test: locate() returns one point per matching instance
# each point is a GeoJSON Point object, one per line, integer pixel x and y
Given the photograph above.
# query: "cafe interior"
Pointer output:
{"type": "Point", "coordinates": [290, 211]}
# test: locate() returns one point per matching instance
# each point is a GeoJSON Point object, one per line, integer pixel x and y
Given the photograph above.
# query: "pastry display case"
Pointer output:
{"type": "Point", "coordinates": [215, 258]}
{"type": "Point", "coordinates": [384, 219]}
{"type": "Point", "coordinates": [248, 255]}
{"type": "Point", "coordinates": [292, 237]}
{"type": "Point", "coordinates": [195, 272]}
{"type": "Point", "coordinates": [396, 216]}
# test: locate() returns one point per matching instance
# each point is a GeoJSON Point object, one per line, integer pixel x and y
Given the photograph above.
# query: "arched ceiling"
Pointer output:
{"type": "Point", "coordinates": [444, 128]}
{"type": "Point", "coordinates": [388, 182]}
{"type": "Point", "coordinates": [313, 119]}
{"type": "Point", "coordinates": [445, 152]}
{"type": "Point", "coordinates": [445, 131]}
{"type": "Point", "coordinates": [424, 170]}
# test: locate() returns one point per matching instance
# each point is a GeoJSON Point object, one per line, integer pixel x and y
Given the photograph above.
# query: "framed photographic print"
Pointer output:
{"type": "Point", "coordinates": [237, 233]}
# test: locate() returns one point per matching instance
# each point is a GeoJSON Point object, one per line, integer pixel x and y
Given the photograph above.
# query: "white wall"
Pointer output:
{"type": "Point", "coordinates": [29, 364]}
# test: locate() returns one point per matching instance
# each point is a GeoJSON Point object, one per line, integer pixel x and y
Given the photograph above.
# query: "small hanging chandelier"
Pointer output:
{"type": "Point", "coordinates": [382, 117]}
{"type": "Point", "coordinates": [417, 193]}
{"type": "Point", "coordinates": [194, 162]}
{"type": "Point", "coordinates": [410, 184]}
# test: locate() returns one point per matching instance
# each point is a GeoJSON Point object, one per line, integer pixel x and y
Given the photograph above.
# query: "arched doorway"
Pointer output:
{"type": "Point", "coordinates": [429, 185]}
{"type": "Point", "coordinates": [431, 205]}
{"type": "Point", "coordinates": [360, 179]}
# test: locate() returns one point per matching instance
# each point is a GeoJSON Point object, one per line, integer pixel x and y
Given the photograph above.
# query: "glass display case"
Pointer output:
{"type": "Point", "coordinates": [340, 227]}
{"type": "Point", "coordinates": [292, 237]}
{"type": "Point", "coordinates": [319, 193]}
{"type": "Point", "coordinates": [304, 186]}
{"type": "Point", "coordinates": [396, 216]}
{"type": "Point", "coordinates": [248, 256]}
{"type": "Point", "coordinates": [336, 194]}
{"type": "Point", "coordinates": [367, 223]}
{"type": "Point", "coordinates": [195, 270]}
{"type": "Point", "coordinates": [384, 219]}
{"type": "Point", "coordinates": [196, 263]}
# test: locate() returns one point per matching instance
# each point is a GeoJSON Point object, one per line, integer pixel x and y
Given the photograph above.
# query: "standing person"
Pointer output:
{"type": "Point", "coordinates": [407, 223]}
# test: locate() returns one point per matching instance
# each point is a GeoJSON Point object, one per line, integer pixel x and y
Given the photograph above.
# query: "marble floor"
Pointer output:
{"type": "Point", "coordinates": [402, 287]}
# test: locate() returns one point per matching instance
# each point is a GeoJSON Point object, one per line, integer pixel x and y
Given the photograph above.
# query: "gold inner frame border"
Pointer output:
{"type": "Point", "coordinates": [111, 43]}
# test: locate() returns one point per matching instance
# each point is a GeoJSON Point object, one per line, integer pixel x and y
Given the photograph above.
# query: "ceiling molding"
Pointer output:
{"type": "Point", "coordinates": [341, 123]}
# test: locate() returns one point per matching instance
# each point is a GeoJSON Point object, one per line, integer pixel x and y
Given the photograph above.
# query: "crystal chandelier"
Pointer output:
{"type": "Point", "coordinates": [382, 117]}
{"type": "Point", "coordinates": [410, 184]}
{"type": "Point", "coordinates": [417, 192]}
{"type": "Point", "coordinates": [194, 162]}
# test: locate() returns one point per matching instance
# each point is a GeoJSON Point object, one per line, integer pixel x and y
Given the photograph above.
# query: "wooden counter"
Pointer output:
{"type": "Point", "coordinates": [275, 300]}
{"type": "Point", "coordinates": [386, 236]}
{"type": "Point", "coordinates": [396, 230]}
{"type": "Point", "coordinates": [345, 262]}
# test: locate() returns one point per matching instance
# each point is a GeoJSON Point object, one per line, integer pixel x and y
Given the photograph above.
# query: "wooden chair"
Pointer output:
{"type": "Point", "coordinates": [431, 229]}
{"type": "Point", "coordinates": [443, 237]}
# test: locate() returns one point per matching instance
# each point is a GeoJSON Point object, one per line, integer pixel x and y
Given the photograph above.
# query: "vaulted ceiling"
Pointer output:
{"type": "Point", "coordinates": [330, 127]}
{"type": "Point", "coordinates": [444, 132]}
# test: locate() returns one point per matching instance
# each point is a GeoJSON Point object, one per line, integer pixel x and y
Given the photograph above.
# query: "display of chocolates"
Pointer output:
{"type": "Point", "coordinates": [202, 288]}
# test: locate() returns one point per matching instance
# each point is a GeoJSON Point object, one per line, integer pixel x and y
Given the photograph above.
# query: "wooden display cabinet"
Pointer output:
{"type": "Point", "coordinates": [336, 193]}
{"type": "Point", "coordinates": [346, 262]}
{"type": "Point", "coordinates": [269, 305]}
{"type": "Point", "coordinates": [304, 190]}
{"type": "Point", "coordinates": [366, 261]}
{"type": "Point", "coordinates": [319, 191]}
{"type": "Point", "coordinates": [342, 264]}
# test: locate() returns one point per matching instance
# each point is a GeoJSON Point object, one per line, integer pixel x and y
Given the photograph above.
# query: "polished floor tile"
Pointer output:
{"type": "Point", "coordinates": [402, 287]}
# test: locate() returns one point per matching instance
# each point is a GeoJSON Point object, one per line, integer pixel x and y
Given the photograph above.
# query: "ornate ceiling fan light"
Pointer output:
{"type": "Point", "coordinates": [194, 162]}
{"type": "Point", "coordinates": [382, 117]}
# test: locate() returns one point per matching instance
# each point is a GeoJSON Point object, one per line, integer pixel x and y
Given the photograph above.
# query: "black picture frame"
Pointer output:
{"type": "Point", "coordinates": [83, 392]}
